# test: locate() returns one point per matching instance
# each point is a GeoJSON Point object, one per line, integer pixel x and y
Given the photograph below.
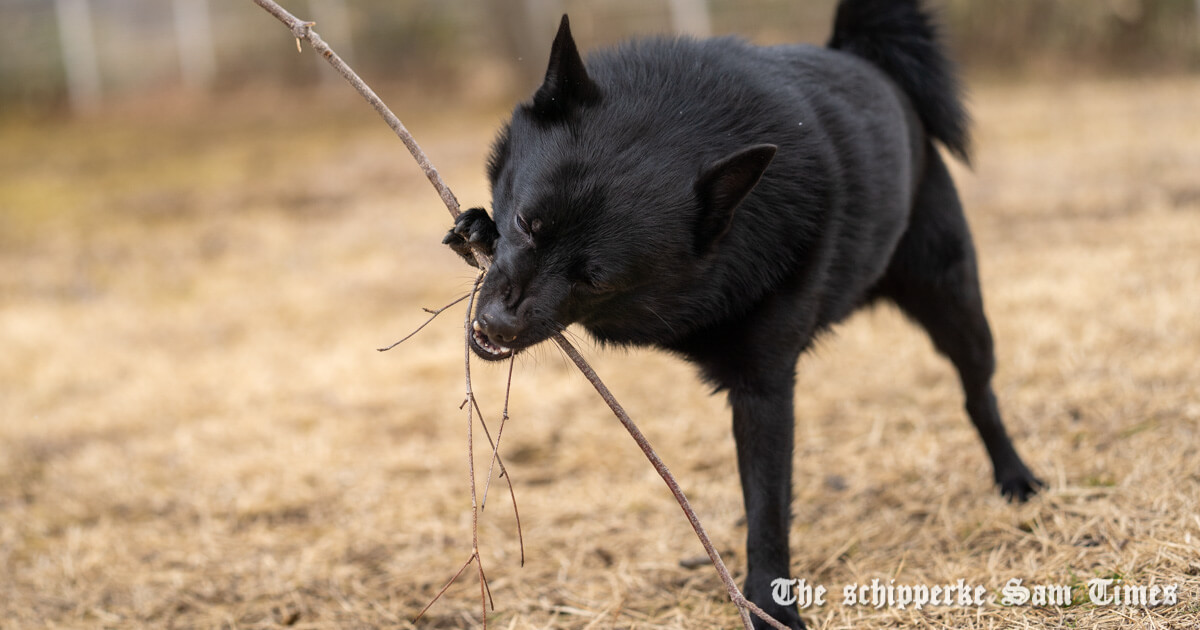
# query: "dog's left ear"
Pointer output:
{"type": "Point", "coordinates": [722, 185]}
{"type": "Point", "coordinates": [567, 84]}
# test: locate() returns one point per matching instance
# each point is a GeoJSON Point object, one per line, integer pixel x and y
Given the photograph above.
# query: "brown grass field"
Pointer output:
{"type": "Point", "coordinates": [197, 431]}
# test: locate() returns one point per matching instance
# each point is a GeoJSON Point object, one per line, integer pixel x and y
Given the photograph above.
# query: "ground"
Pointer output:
{"type": "Point", "coordinates": [198, 432]}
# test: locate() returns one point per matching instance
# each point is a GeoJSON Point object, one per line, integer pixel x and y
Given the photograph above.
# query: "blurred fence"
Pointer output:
{"type": "Point", "coordinates": [84, 52]}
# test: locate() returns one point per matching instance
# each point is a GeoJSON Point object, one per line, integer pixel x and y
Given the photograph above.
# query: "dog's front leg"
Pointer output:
{"type": "Point", "coordinates": [763, 428]}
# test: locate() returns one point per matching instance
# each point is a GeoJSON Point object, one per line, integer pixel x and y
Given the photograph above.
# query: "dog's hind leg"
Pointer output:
{"type": "Point", "coordinates": [933, 279]}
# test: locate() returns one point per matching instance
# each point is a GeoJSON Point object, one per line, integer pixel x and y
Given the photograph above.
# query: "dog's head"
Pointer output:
{"type": "Point", "coordinates": [600, 222]}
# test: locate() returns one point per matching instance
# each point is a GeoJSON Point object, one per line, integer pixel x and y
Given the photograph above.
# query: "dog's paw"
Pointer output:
{"type": "Point", "coordinates": [785, 615]}
{"type": "Point", "coordinates": [472, 230]}
{"type": "Point", "coordinates": [1019, 485]}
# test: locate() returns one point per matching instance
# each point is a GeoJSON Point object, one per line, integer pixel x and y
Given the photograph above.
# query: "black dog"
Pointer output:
{"type": "Point", "coordinates": [727, 203]}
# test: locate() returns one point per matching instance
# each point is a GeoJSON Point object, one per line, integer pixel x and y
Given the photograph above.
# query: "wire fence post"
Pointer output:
{"type": "Point", "coordinates": [194, 38]}
{"type": "Point", "coordinates": [691, 17]}
{"type": "Point", "coordinates": [78, 53]}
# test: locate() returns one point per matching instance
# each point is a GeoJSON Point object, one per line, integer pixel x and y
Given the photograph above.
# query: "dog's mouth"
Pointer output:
{"type": "Point", "coordinates": [485, 348]}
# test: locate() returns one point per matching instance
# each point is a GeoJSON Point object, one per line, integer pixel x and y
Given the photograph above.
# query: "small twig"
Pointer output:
{"type": "Point", "coordinates": [486, 588]}
{"type": "Point", "coordinates": [499, 433]}
{"type": "Point", "coordinates": [432, 315]}
{"type": "Point", "coordinates": [503, 472]}
{"type": "Point", "coordinates": [444, 589]}
{"type": "Point", "coordinates": [496, 459]}
{"type": "Point", "coordinates": [517, 514]}
{"type": "Point", "coordinates": [484, 591]}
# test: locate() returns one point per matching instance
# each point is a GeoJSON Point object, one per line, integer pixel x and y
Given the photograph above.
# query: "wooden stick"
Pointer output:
{"type": "Point", "coordinates": [303, 30]}
{"type": "Point", "coordinates": [744, 605]}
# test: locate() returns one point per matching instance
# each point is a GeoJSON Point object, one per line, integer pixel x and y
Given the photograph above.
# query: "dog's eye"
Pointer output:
{"type": "Point", "coordinates": [527, 227]}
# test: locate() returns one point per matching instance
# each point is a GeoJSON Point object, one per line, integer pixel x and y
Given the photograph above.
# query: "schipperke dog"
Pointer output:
{"type": "Point", "coordinates": [729, 202]}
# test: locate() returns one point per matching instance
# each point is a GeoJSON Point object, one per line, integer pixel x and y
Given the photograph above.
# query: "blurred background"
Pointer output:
{"type": "Point", "coordinates": [88, 52]}
{"type": "Point", "coordinates": [205, 235]}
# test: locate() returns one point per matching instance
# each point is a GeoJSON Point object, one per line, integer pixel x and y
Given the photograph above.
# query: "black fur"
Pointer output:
{"type": "Point", "coordinates": [903, 40]}
{"type": "Point", "coordinates": [728, 202]}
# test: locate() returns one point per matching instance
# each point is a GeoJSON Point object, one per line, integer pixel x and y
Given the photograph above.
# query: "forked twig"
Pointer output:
{"type": "Point", "coordinates": [470, 397]}
{"type": "Point", "coordinates": [303, 30]}
{"type": "Point", "coordinates": [432, 315]}
{"type": "Point", "coordinates": [496, 459]}
{"type": "Point", "coordinates": [483, 585]}
{"type": "Point", "coordinates": [499, 433]}
{"type": "Point", "coordinates": [444, 589]}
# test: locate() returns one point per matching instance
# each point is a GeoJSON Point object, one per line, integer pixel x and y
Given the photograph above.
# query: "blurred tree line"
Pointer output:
{"type": "Point", "coordinates": [1101, 36]}
{"type": "Point", "coordinates": [85, 51]}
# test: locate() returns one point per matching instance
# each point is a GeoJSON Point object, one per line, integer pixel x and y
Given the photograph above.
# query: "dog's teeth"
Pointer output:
{"type": "Point", "coordinates": [485, 344]}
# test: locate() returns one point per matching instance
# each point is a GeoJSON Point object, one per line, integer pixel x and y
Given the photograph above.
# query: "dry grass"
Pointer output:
{"type": "Point", "coordinates": [197, 431]}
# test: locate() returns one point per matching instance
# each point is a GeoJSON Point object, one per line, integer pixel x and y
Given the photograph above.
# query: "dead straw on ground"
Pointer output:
{"type": "Point", "coordinates": [197, 430]}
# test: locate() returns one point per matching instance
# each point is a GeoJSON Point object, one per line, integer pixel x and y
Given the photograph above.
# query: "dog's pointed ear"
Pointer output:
{"type": "Point", "coordinates": [722, 185]}
{"type": "Point", "coordinates": [567, 84]}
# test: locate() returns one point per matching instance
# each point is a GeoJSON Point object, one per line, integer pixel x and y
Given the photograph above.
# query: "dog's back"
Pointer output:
{"type": "Point", "coordinates": [851, 131]}
{"type": "Point", "coordinates": [828, 210]}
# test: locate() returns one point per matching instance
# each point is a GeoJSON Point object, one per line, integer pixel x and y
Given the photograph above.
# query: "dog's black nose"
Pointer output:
{"type": "Point", "coordinates": [499, 325]}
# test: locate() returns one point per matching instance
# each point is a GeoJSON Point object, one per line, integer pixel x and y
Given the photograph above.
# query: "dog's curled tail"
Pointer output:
{"type": "Point", "coordinates": [901, 38]}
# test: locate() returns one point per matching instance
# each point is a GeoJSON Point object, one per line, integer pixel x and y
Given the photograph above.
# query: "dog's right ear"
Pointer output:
{"type": "Point", "coordinates": [722, 185]}
{"type": "Point", "coordinates": [567, 84]}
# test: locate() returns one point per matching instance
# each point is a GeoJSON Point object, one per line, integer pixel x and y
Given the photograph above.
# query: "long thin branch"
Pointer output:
{"type": "Point", "coordinates": [483, 587]}
{"type": "Point", "coordinates": [744, 605]}
{"type": "Point", "coordinates": [496, 459]}
{"type": "Point", "coordinates": [303, 30]}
